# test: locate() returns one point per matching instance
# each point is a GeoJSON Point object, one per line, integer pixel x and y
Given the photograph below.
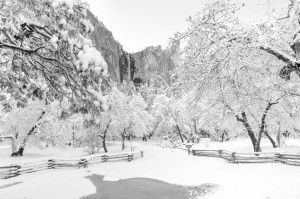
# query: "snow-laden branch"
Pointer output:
{"type": "Point", "coordinates": [279, 54]}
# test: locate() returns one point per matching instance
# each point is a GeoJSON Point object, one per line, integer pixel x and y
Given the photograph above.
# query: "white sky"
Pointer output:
{"type": "Point", "coordinates": [137, 24]}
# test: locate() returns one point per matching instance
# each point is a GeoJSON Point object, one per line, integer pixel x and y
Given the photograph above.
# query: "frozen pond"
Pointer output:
{"type": "Point", "coordinates": [145, 188]}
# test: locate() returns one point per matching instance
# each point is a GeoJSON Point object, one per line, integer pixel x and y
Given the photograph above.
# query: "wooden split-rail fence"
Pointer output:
{"type": "Point", "coordinates": [259, 157]}
{"type": "Point", "coordinates": [12, 170]}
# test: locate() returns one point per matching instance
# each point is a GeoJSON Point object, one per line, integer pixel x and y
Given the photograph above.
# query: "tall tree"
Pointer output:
{"type": "Point", "coordinates": [230, 71]}
{"type": "Point", "coordinates": [34, 124]}
{"type": "Point", "coordinates": [129, 115]}
{"type": "Point", "coordinates": [46, 52]}
{"type": "Point", "coordinates": [172, 117]}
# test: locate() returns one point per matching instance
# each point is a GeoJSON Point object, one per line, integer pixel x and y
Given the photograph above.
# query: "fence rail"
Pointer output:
{"type": "Point", "coordinates": [260, 157]}
{"type": "Point", "coordinates": [9, 171]}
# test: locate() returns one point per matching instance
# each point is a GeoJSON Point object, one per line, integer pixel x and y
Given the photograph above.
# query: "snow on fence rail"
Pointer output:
{"type": "Point", "coordinates": [259, 157]}
{"type": "Point", "coordinates": [9, 171]}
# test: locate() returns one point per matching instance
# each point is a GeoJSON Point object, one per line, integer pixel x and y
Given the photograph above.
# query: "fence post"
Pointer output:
{"type": "Point", "coordinates": [13, 171]}
{"type": "Point", "coordinates": [10, 169]}
{"type": "Point", "coordinates": [234, 157]}
{"type": "Point", "coordinates": [189, 146]}
{"type": "Point", "coordinates": [50, 164]}
{"type": "Point", "coordinates": [278, 155]}
{"type": "Point", "coordinates": [129, 157]}
{"type": "Point", "coordinates": [220, 153]}
{"type": "Point", "coordinates": [105, 158]}
{"type": "Point", "coordinates": [83, 162]}
{"type": "Point", "coordinates": [86, 163]}
{"type": "Point", "coordinates": [18, 170]}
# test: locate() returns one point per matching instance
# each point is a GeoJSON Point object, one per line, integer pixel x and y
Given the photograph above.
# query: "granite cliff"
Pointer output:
{"type": "Point", "coordinates": [154, 61]}
{"type": "Point", "coordinates": [142, 65]}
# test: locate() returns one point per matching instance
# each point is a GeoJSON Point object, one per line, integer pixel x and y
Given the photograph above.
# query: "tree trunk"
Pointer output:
{"type": "Point", "coordinates": [179, 133]}
{"type": "Point", "coordinates": [20, 151]}
{"type": "Point", "coordinates": [183, 135]}
{"type": "Point", "coordinates": [123, 141]}
{"type": "Point", "coordinates": [104, 144]}
{"type": "Point", "coordinates": [73, 138]}
{"type": "Point", "coordinates": [128, 137]}
{"type": "Point", "coordinates": [271, 140]}
{"type": "Point", "coordinates": [129, 75]}
{"type": "Point", "coordinates": [195, 125]}
{"type": "Point", "coordinates": [104, 137]}
{"type": "Point", "coordinates": [223, 137]}
{"type": "Point", "coordinates": [144, 138]}
{"type": "Point", "coordinates": [254, 141]}
{"type": "Point", "coordinates": [263, 126]}
{"type": "Point", "coordinates": [278, 138]}
{"type": "Point", "coordinates": [244, 121]}
{"type": "Point", "coordinates": [150, 135]}
{"type": "Point", "coordinates": [262, 129]}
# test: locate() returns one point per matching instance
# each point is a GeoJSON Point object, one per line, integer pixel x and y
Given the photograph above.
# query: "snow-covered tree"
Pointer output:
{"type": "Point", "coordinates": [172, 117]}
{"type": "Point", "coordinates": [232, 71]}
{"type": "Point", "coordinates": [22, 123]}
{"type": "Point", "coordinates": [279, 35]}
{"type": "Point", "coordinates": [276, 34]}
{"type": "Point", "coordinates": [59, 128]}
{"type": "Point", "coordinates": [46, 52]}
{"type": "Point", "coordinates": [34, 124]}
{"type": "Point", "coordinates": [141, 119]}
{"type": "Point", "coordinates": [124, 115]}
{"type": "Point", "coordinates": [129, 115]}
{"type": "Point", "coordinates": [155, 86]}
{"type": "Point", "coordinates": [96, 132]}
{"type": "Point", "coordinates": [74, 129]}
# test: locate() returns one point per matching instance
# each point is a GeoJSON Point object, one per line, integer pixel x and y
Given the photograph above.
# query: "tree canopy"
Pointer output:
{"type": "Point", "coordinates": [46, 52]}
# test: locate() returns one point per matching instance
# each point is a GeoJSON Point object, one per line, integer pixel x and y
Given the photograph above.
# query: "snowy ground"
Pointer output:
{"type": "Point", "coordinates": [244, 145]}
{"type": "Point", "coordinates": [261, 181]}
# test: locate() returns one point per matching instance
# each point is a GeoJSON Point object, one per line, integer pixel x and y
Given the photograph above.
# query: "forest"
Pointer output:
{"type": "Point", "coordinates": [230, 80]}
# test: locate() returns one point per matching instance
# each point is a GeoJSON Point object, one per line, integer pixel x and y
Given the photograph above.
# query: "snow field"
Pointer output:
{"type": "Point", "coordinates": [242, 181]}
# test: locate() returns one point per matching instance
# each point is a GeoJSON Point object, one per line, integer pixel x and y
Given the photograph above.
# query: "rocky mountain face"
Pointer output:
{"type": "Point", "coordinates": [107, 45]}
{"type": "Point", "coordinates": [126, 66]}
{"type": "Point", "coordinates": [154, 61]}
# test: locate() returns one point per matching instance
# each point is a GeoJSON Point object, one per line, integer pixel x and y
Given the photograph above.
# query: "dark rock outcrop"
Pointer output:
{"type": "Point", "coordinates": [154, 60]}
{"type": "Point", "coordinates": [143, 64]}
{"type": "Point", "coordinates": [107, 45]}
